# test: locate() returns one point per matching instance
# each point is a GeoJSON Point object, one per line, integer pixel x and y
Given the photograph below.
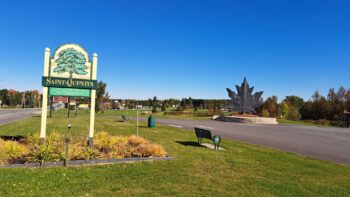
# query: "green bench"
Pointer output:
{"type": "Point", "coordinates": [203, 133]}
{"type": "Point", "coordinates": [125, 118]}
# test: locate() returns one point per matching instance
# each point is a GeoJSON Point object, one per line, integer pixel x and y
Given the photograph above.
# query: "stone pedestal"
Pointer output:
{"type": "Point", "coordinates": [247, 120]}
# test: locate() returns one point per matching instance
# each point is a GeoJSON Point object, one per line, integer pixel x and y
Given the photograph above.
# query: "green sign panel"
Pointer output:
{"type": "Point", "coordinates": [69, 83]}
{"type": "Point", "coordinates": [53, 91]}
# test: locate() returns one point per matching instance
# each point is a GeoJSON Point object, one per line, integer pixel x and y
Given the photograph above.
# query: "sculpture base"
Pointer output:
{"type": "Point", "coordinates": [247, 120]}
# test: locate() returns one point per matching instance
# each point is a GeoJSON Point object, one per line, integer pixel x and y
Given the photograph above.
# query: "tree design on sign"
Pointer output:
{"type": "Point", "coordinates": [71, 61]}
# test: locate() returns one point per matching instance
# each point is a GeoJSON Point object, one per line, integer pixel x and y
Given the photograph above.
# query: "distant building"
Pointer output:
{"type": "Point", "coordinates": [60, 99]}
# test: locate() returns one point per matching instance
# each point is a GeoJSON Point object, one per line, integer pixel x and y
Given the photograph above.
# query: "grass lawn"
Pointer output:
{"type": "Point", "coordinates": [146, 113]}
{"type": "Point", "coordinates": [241, 170]}
{"type": "Point", "coordinates": [314, 123]}
{"type": "Point", "coordinates": [298, 122]}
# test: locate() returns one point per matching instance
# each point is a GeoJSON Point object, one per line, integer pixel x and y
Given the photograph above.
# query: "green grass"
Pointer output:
{"type": "Point", "coordinates": [297, 122]}
{"type": "Point", "coordinates": [240, 170]}
{"type": "Point", "coordinates": [146, 113]}
{"type": "Point", "coordinates": [320, 123]}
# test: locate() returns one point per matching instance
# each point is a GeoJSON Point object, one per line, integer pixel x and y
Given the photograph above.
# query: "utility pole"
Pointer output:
{"type": "Point", "coordinates": [137, 121]}
{"type": "Point", "coordinates": [39, 100]}
{"type": "Point", "coordinates": [24, 100]}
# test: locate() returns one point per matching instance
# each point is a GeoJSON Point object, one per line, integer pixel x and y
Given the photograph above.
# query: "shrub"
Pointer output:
{"type": "Point", "coordinates": [11, 151]}
{"type": "Point", "coordinates": [147, 150]}
{"type": "Point", "coordinates": [136, 140]}
{"type": "Point", "coordinates": [324, 122]}
{"type": "Point", "coordinates": [79, 149]}
{"type": "Point", "coordinates": [121, 140]}
{"type": "Point", "coordinates": [293, 114]}
{"type": "Point", "coordinates": [265, 113]}
{"type": "Point", "coordinates": [103, 141]}
{"type": "Point", "coordinates": [338, 123]}
{"type": "Point", "coordinates": [121, 148]}
{"type": "Point", "coordinates": [121, 151]}
{"type": "Point", "coordinates": [33, 138]}
{"type": "Point", "coordinates": [155, 150]}
{"type": "Point", "coordinates": [51, 150]}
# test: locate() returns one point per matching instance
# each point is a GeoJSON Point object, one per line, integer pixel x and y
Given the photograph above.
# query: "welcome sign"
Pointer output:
{"type": "Point", "coordinates": [69, 72]}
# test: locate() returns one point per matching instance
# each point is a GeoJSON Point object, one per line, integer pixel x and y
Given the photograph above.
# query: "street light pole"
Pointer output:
{"type": "Point", "coordinates": [67, 145]}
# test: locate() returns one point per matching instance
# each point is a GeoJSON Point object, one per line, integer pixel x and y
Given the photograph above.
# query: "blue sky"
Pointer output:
{"type": "Point", "coordinates": [184, 48]}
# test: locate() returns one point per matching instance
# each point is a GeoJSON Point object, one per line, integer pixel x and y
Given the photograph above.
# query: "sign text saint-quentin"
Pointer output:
{"type": "Point", "coordinates": [69, 83]}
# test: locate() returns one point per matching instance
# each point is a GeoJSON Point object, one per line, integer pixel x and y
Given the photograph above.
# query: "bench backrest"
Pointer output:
{"type": "Point", "coordinates": [125, 117]}
{"type": "Point", "coordinates": [202, 133]}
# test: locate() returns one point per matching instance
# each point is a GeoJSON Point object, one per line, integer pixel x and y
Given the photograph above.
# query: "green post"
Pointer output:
{"type": "Point", "coordinates": [76, 109]}
{"type": "Point", "coordinates": [51, 101]}
{"type": "Point", "coordinates": [68, 106]}
{"type": "Point", "coordinates": [67, 145]}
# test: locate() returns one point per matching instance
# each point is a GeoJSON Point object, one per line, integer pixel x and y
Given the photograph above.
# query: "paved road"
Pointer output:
{"type": "Point", "coordinates": [12, 115]}
{"type": "Point", "coordinates": [332, 144]}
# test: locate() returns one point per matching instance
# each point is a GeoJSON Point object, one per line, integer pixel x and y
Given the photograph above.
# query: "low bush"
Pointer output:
{"type": "Point", "coordinates": [51, 150]}
{"type": "Point", "coordinates": [323, 122]}
{"type": "Point", "coordinates": [12, 152]}
{"type": "Point", "coordinates": [103, 141]}
{"type": "Point", "coordinates": [136, 140]}
{"type": "Point", "coordinates": [338, 123]}
{"type": "Point", "coordinates": [147, 150]}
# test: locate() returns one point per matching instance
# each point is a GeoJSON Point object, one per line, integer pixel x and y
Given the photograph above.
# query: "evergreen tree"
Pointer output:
{"type": "Point", "coordinates": [101, 96]}
{"type": "Point", "coordinates": [154, 104]}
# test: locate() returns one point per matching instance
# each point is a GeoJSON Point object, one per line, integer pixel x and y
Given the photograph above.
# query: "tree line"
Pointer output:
{"type": "Point", "coordinates": [328, 108]}
{"type": "Point", "coordinates": [14, 98]}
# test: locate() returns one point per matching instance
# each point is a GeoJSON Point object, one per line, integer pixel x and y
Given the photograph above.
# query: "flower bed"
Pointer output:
{"type": "Point", "coordinates": [105, 146]}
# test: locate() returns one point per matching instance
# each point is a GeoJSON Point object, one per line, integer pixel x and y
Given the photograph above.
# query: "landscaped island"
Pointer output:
{"type": "Point", "coordinates": [30, 150]}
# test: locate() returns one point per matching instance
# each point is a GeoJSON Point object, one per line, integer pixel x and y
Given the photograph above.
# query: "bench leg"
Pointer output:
{"type": "Point", "coordinates": [199, 140]}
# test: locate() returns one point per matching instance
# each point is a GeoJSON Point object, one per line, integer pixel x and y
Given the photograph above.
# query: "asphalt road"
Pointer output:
{"type": "Point", "coordinates": [332, 144]}
{"type": "Point", "coordinates": [12, 115]}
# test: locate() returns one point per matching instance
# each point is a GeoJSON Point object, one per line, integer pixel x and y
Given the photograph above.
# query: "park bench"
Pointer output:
{"type": "Point", "coordinates": [125, 118]}
{"type": "Point", "coordinates": [203, 133]}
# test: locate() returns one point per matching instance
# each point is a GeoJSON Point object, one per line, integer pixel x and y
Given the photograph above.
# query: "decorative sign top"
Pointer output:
{"type": "Point", "coordinates": [71, 61]}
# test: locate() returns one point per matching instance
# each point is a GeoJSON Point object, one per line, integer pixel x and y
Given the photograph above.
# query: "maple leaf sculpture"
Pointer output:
{"type": "Point", "coordinates": [244, 101]}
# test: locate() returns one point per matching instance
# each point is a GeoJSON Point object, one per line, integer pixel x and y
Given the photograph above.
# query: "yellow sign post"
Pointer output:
{"type": "Point", "coordinates": [69, 72]}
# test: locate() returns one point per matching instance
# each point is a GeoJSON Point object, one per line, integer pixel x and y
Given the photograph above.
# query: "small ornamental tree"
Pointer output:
{"type": "Point", "coordinates": [154, 104]}
{"type": "Point", "coordinates": [71, 61]}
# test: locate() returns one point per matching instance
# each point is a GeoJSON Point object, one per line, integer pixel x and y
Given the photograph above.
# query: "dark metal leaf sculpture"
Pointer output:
{"type": "Point", "coordinates": [244, 101]}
